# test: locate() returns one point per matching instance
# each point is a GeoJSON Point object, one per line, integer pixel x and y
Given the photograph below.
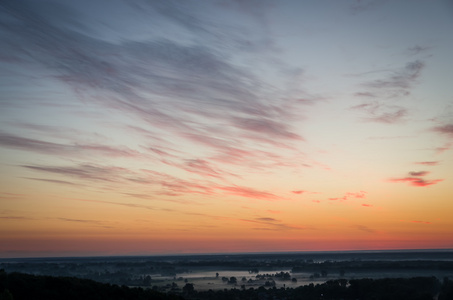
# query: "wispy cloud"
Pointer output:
{"type": "Point", "coordinates": [191, 92]}
{"type": "Point", "coordinates": [420, 173]}
{"type": "Point", "coordinates": [349, 195]}
{"type": "Point", "coordinates": [445, 147]}
{"type": "Point", "coordinates": [83, 221]}
{"type": "Point", "coordinates": [267, 219]}
{"type": "Point", "coordinates": [363, 228]}
{"type": "Point", "coordinates": [19, 218]}
{"type": "Point", "coordinates": [52, 181]}
{"type": "Point", "coordinates": [402, 79]}
{"type": "Point", "coordinates": [416, 181]}
{"type": "Point", "coordinates": [427, 163]}
{"type": "Point", "coordinates": [298, 192]}
{"type": "Point", "coordinates": [73, 150]}
{"type": "Point", "coordinates": [112, 174]}
{"type": "Point", "coordinates": [194, 79]}
{"type": "Point", "coordinates": [131, 205]}
{"type": "Point", "coordinates": [248, 192]}
{"type": "Point", "coordinates": [202, 167]}
{"type": "Point", "coordinates": [272, 224]}
{"type": "Point", "coordinates": [85, 172]}
{"type": "Point", "coordinates": [170, 185]}
{"type": "Point", "coordinates": [396, 84]}
{"type": "Point", "coordinates": [417, 49]}
{"type": "Point", "coordinates": [421, 222]}
{"type": "Point", "coordinates": [11, 196]}
{"type": "Point", "coordinates": [381, 112]}
{"type": "Point", "coordinates": [446, 129]}
{"type": "Point", "coordinates": [416, 221]}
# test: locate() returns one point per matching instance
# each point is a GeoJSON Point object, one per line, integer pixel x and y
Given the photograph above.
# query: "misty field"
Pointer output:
{"type": "Point", "coordinates": [241, 271]}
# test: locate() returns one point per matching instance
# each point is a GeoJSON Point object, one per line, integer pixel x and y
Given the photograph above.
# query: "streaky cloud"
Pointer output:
{"type": "Point", "coordinates": [50, 148]}
{"type": "Point", "coordinates": [349, 195]}
{"type": "Point", "coordinates": [194, 79]}
{"type": "Point", "coordinates": [445, 147]}
{"type": "Point", "coordinates": [446, 129]}
{"type": "Point", "coordinates": [248, 192]}
{"type": "Point", "coordinates": [421, 222]}
{"type": "Point", "coordinates": [84, 171]}
{"type": "Point", "coordinates": [400, 79]}
{"type": "Point", "coordinates": [298, 192]}
{"type": "Point", "coordinates": [363, 228]}
{"type": "Point", "coordinates": [52, 181]}
{"type": "Point", "coordinates": [266, 219]}
{"type": "Point", "coordinates": [381, 112]}
{"type": "Point", "coordinates": [416, 181]}
{"type": "Point", "coordinates": [397, 84]}
{"type": "Point", "coordinates": [418, 174]}
{"type": "Point", "coordinates": [427, 163]}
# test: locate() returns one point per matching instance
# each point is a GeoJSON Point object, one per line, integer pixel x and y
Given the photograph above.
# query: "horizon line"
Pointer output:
{"type": "Point", "coordinates": [181, 254]}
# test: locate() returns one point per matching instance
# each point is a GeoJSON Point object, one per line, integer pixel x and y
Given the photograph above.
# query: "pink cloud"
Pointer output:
{"type": "Point", "coordinates": [299, 192]}
{"type": "Point", "coordinates": [248, 192]}
{"type": "Point", "coordinates": [349, 195]}
{"type": "Point", "coordinates": [444, 148]}
{"type": "Point", "coordinates": [200, 167]}
{"type": "Point", "coordinates": [445, 129]}
{"type": "Point", "coordinates": [414, 181]}
{"type": "Point", "coordinates": [360, 195]}
{"type": "Point", "coordinates": [427, 163]}
{"type": "Point", "coordinates": [367, 205]}
{"type": "Point", "coordinates": [421, 222]}
{"type": "Point", "coordinates": [234, 151]}
{"type": "Point", "coordinates": [160, 152]}
{"type": "Point", "coordinates": [267, 219]}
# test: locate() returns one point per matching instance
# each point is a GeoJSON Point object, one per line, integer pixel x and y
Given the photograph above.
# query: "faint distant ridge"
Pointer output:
{"type": "Point", "coordinates": [382, 255]}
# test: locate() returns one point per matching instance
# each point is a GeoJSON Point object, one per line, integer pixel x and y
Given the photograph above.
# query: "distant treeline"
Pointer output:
{"type": "Point", "coordinates": [18, 286]}
{"type": "Point", "coordinates": [373, 265]}
{"type": "Point", "coordinates": [418, 288]}
{"type": "Point", "coordinates": [126, 272]}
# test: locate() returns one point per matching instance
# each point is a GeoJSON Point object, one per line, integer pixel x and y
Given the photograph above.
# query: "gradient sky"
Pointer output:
{"type": "Point", "coordinates": [150, 127]}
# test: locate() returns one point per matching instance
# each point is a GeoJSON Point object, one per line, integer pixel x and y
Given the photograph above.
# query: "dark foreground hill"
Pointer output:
{"type": "Point", "coordinates": [18, 286]}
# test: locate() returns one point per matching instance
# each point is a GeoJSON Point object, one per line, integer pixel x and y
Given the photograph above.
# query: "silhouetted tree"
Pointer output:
{"type": "Point", "coordinates": [188, 288]}
{"type": "Point", "coordinates": [233, 280]}
{"type": "Point", "coordinates": [147, 280]}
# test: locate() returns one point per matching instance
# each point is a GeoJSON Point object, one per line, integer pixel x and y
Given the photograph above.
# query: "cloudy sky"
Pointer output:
{"type": "Point", "coordinates": [146, 127]}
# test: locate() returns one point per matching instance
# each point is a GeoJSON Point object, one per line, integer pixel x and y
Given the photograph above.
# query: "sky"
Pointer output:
{"type": "Point", "coordinates": [169, 127]}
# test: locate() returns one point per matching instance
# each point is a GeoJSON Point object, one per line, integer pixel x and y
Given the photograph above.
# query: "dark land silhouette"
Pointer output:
{"type": "Point", "coordinates": [317, 275]}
